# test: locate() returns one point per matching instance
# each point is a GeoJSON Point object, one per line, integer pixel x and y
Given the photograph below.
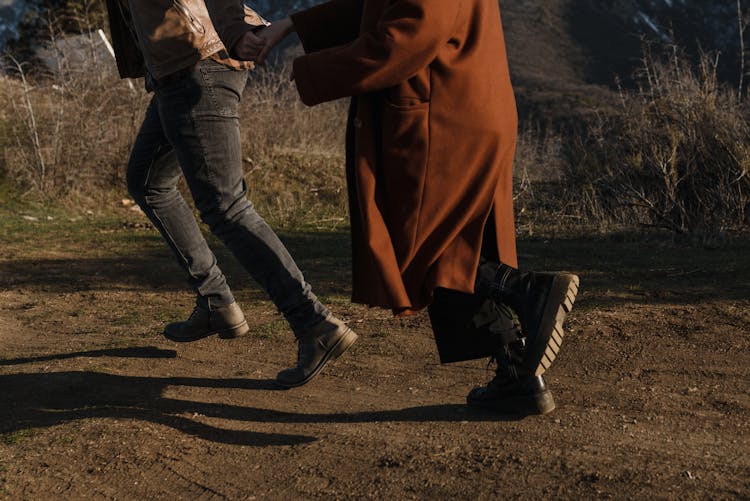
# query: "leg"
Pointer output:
{"type": "Point", "coordinates": [200, 119]}
{"type": "Point", "coordinates": [541, 301]}
{"type": "Point", "coordinates": [468, 327]}
{"type": "Point", "coordinates": [152, 177]}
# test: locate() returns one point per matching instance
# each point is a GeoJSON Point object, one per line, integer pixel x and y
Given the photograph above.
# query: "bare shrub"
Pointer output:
{"type": "Point", "coordinates": [538, 168]}
{"type": "Point", "coordinates": [675, 155]}
{"type": "Point", "coordinates": [69, 127]}
{"type": "Point", "coordinates": [294, 154]}
{"type": "Point", "coordinates": [67, 130]}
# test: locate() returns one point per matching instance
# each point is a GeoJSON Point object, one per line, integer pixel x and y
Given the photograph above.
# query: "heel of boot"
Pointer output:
{"type": "Point", "coordinates": [543, 403]}
{"type": "Point", "coordinates": [347, 340]}
{"type": "Point", "coordinates": [236, 331]}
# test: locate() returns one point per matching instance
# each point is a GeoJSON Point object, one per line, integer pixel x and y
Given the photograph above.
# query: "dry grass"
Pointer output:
{"type": "Point", "coordinates": [66, 134]}
{"type": "Point", "coordinates": [294, 154]}
{"type": "Point", "coordinates": [675, 155]}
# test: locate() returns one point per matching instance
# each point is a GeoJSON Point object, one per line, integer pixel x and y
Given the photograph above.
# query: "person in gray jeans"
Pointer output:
{"type": "Point", "coordinates": [191, 128]}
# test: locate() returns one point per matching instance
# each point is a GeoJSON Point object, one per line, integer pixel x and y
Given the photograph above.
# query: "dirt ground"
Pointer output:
{"type": "Point", "coordinates": [652, 385]}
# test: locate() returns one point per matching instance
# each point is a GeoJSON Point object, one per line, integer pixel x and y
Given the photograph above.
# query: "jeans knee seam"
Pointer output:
{"type": "Point", "coordinates": [153, 212]}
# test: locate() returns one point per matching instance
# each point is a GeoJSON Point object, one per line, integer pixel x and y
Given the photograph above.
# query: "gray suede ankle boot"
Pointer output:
{"type": "Point", "coordinates": [226, 321]}
{"type": "Point", "coordinates": [327, 341]}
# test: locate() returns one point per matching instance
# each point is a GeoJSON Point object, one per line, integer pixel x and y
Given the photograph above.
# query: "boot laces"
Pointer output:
{"type": "Point", "coordinates": [511, 347]}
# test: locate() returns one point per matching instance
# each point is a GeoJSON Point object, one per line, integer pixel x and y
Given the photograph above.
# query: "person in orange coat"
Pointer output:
{"type": "Point", "coordinates": [430, 143]}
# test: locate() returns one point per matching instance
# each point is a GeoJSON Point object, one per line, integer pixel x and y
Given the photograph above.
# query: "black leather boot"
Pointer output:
{"type": "Point", "coordinates": [524, 395]}
{"type": "Point", "coordinates": [540, 300]}
{"type": "Point", "coordinates": [513, 390]}
{"type": "Point", "coordinates": [324, 343]}
{"type": "Point", "coordinates": [226, 321]}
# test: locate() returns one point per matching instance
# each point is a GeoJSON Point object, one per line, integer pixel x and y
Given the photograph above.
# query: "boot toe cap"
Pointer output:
{"type": "Point", "coordinates": [294, 376]}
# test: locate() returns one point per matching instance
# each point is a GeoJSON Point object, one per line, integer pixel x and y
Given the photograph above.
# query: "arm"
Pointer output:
{"type": "Point", "coordinates": [228, 18]}
{"type": "Point", "coordinates": [327, 25]}
{"type": "Point", "coordinates": [407, 39]}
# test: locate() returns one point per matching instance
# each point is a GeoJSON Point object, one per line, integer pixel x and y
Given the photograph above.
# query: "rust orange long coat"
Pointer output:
{"type": "Point", "coordinates": [430, 142]}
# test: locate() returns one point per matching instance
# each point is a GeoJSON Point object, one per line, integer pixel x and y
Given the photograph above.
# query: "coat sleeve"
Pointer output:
{"type": "Point", "coordinates": [127, 52]}
{"type": "Point", "coordinates": [228, 18]}
{"type": "Point", "coordinates": [328, 25]}
{"type": "Point", "coordinates": [406, 39]}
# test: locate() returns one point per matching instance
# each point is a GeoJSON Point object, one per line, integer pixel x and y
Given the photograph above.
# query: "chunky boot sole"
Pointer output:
{"type": "Point", "coordinates": [544, 349]}
{"type": "Point", "coordinates": [228, 333]}
{"type": "Point", "coordinates": [523, 405]}
{"type": "Point", "coordinates": [343, 344]}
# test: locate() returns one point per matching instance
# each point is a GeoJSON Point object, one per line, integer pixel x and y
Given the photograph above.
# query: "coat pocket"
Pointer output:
{"type": "Point", "coordinates": [403, 170]}
{"type": "Point", "coordinates": [193, 22]}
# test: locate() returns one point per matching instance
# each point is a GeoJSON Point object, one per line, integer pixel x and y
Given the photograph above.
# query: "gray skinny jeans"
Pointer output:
{"type": "Point", "coordinates": [192, 128]}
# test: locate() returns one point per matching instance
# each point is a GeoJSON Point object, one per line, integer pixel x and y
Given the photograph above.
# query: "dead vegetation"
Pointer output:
{"type": "Point", "coordinates": [672, 154]}
{"type": "Point", "coordinates": [67, 133]}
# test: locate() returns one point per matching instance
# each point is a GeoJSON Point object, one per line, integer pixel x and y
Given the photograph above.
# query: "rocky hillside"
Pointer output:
{"type": "Point", "coordinates": [567, 55]}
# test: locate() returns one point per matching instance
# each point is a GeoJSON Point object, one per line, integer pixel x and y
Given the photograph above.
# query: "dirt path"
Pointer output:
{"type": "Point", "coordinates": [652, 385]}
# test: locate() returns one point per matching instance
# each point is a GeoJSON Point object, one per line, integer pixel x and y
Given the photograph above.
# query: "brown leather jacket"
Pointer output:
{"type": "Point", "coordinates": [165, 36]}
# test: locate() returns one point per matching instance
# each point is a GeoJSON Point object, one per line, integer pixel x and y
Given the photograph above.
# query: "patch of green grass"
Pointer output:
{"type": "Point", "coordinates": [163, 309]}
{"type": "Point", "coordinates": [644, 271]}
{"type": "Point", "coordinates": [335, 299]}
{"type": "Point", "coordinates": [106, 250]}
{"type": "Point", "coordinates": [274, 329]}
{"type": "Point", "coordinates": [128, 318]}
{"type": "Point", "coordinates": [117, 342]}
{"type": "Point", "coordinates": [41, 228]}
{"type": "Point", "coordinates": [15, 437]}
{"type": "Point", "coordinates": [63, 440]}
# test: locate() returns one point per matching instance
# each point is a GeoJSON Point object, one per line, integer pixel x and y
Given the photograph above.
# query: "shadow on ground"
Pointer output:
{"type": "Point", "coordinates": [637, 272]}
{"type": "Point", "coordinates": [60, 397]}
{"type": "Point", "coordinates": [324, 257]}
{"type": "Point", "coordinates": [611, 272]}
{"type": "Point", "coordinates": [134, 352]}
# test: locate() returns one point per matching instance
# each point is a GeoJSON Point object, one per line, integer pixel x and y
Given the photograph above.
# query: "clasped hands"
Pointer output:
{"type": "Point", "coordinates": [255, 45]}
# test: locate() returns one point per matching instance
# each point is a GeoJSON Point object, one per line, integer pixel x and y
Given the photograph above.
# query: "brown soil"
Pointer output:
{"type": "Point", "coordinates": [651, 385]}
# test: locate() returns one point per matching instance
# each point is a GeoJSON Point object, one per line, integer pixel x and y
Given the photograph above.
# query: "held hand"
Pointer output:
{"type": "Point", "coordinates": [272, 36]}
{"type": "Point", "coordinates": [249, 46]}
